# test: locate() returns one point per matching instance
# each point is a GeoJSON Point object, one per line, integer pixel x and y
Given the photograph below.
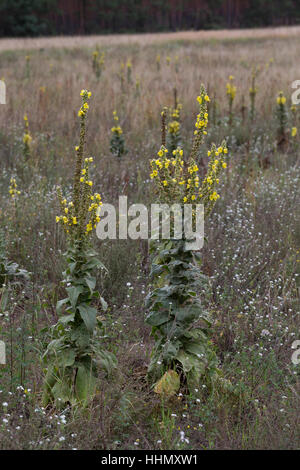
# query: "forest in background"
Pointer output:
{"type": "Point", "coordinates": [71, 17]}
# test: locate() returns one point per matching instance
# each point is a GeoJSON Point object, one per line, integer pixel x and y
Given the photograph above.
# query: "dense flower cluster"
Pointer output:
{"type": "Point", "coordinates": [80, 215]}
{"type": "Point", "coordinates": [117, 141]}
{"type": "Point", "coordinates": [13, 191]}
{"type": "Point", "coordinates": [117, 128]}
{"type": "Point", "coordinates": [179, 181]}
{"type": "Point", "coordinates": [231, 88]}
{"type": "Point", "coordinates": [174, 126]}
{"type": "Point", "coordinates": [282, 117]}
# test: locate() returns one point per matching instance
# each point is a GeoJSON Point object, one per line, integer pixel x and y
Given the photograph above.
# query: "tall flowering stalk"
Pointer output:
{"type": "Point", "coordinates": [294, 129]}
{"type": "Point", "coordinates": [173, 134]}
{"type": "Point", "coordinates": [98, 62]}
{"type": "Point", "coordinates": [27, 139]}
{"type": "Point", "coordinates": [27, 66]}
{"type": "Point", "coordinates": [72, 355]}
{"type": "Point", "coordinates": [231, 92]}
{"type": "Point", "coordinates": [129, 71]}
{"type": "Point", "coordinates": [117, 141]}
{"type": "Point", "coordinates": [252, 94]}
{"type": "Point", "coordinates": [180, 324]}
{"type": "Point", "coordinates": [158, 62]}
{"type": "Point", "coordinates": [281, 114]}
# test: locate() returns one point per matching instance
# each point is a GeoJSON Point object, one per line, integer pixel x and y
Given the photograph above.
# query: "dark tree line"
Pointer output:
{"type": "Point", "coordinates": [47, 17]}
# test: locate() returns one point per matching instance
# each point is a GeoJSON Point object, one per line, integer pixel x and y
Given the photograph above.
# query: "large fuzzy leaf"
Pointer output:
{"type": "Point", "coordinates": [88, 315]}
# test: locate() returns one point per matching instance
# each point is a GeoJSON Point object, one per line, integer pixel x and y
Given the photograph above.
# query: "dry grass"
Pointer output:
{"type": "Point", "coordinates": [143, 39]}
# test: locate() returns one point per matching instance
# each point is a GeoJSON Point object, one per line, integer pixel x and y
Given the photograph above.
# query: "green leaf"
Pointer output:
{"type": "Point", "coordinates": [72, 267]}
{"type": "Point", "coordinates": [66, 358]}
{"type": "Point", "coordinates": [73, 293]}
{"type": "Point", "coordinates": [103, 304]}
{"type": "Point", "coordinates": [88, 315]}
{"type": "Point", "coordinates": [67, 318]}
{"type": "Point", "coordinates": [85, 384]}
{"type": "Point", "coordinates": [157, 318]}
{"type": "Point", "coordinates": [91, 283]}
{"type": "Point", "coordinates": [60, 304]}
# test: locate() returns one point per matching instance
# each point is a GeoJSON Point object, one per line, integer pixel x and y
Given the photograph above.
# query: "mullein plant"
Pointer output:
{"type": "Point", "coordinates": [129, 71]}
{"type": "Point", "coordinates": [27, 139]}
{"type": "Point", "coordinates": [176, 63]}
{"type": "Point", "coordinates": [121, 76]}
{"type": "Point", "coordinates": [173, 128]}
{"type": "Point", "coordinates": [13, 189]}
{"type": "Point", "coordinates": [27, 66]}
{"type": "Point", "coordinates": [158, 62]}
{"type": "Point", "coordinates": [294, 130]}
{"type": "Point", "coordinates": [14, 194]}
{"type": "Point", "coordinates": [183, 351]}
{"type": "Point", "coordinates": [73, 354]}
{"type": "Point", "coordinates": [117, 141]}
{"type": "Point", "coordinates": [98, 63]}
{"type": "Point", "coordinates": [252, 94]}
{"type": "Point", "coordinates": [231, 92]}
{"type": "Point", "coordinates": [137, 87]}
{"type": "Point", "coordinates": [281, 114]}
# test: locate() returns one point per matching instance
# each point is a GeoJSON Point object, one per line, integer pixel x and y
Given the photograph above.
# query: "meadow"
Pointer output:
{"type": "Point", "coordinates": [250, 257]}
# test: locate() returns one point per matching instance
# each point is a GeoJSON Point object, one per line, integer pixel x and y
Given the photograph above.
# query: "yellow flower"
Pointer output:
{"type": "Point", "coordinates": [294, 131]}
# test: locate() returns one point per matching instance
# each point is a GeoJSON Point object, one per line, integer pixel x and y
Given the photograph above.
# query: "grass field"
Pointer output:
{"type": "Point", "coordinates": [251, 254]}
